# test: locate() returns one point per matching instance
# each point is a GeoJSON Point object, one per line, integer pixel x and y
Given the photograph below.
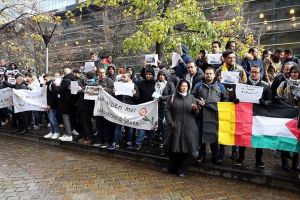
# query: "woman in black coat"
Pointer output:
{"type": "Point", "coordinates": [183, 143]}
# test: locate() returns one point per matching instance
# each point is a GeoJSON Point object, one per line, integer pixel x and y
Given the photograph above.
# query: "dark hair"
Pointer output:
{"type": "Point", "coordinates": [288, 51]}
{"type": "Point", "coordinates": [93, 54]}
{"type": "Point", "coordinates": [265, 52]}
{"type": "Point", "coordinates": [294, 67]}
{"type": "Point", "coordinates": [252, 49]}
{"type": "Point", "coordinates": [228, 44]}
{"type": "Point", "coordinates": [279, 50]}
{"type": "Point", "coordinates": [226, 53]}
{"type": "Point", "coordinates": [216, 42]}
{"type": "Point", "coordinates": [98, 69]}
{"type": "Point", "coordinates": [183, 81]}
{"type": "Point", "coordinates": [209, 68]}
{"type": "Point", "coordinates": [47, 75]}
{"type": "Point", "coordinates": [255, 66]}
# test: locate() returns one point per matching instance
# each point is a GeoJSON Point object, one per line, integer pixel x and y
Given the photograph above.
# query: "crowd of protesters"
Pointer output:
{"type": "Point", "coordinates": [183, 90]}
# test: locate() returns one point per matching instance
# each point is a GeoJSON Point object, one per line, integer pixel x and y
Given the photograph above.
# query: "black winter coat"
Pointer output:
{"type": "Point", "coordinates": [52, 98]}
{"type": "Point", "coordinates": [184, 136]}
{"type": "Point", "coordinates": [66, 100]}
{"type": "Point", "coordinates": [146, 89]}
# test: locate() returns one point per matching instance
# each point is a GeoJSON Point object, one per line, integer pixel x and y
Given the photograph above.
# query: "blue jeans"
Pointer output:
{"type": "Point", "coordinates": [118, 133]}
{"type": "Point", "coordinates": [141, 135]}
{"type": "Point", "coordinates": [53, 121]}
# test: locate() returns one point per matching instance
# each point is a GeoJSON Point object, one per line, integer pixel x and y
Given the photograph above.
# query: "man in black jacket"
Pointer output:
{"type": "Point", "coordinates": [255, 79]}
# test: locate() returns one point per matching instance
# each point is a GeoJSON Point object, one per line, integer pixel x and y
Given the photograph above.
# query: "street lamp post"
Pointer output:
{"type": "Point", "coordinates": [47, 29]}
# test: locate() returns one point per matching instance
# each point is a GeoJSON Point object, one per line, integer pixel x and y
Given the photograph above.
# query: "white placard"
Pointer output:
{"type": "Point", "coordinates": [6, 97]}
{"type": "Point", "coordinates": [248, 93]}
{"type": "Point", "coordinates": [151, 59]}
{"type": "Point", "coordinates": [143, 116]}
{"type": "Point", "coordinates": [156, 95]}
{"type": "Point", "coordinates": [214, 58]}
{"type": "Point", "coordinates": [91, 92]}
{"type": "Point", "coordinates": [89, 66]}
{"type": "Point", "coordinates": [11, 80]}
{"type": "Point", "coordinates": [28, 100]}
{"type": "Point", "coordinates": [74, 87]}
{"type": "Point", "coordinates": [15, 71]}
{"type": "Point", "coordinates": [2, 70]}
{"type": "Point", "coordinates": [57, 81]}
{"type": "Point", "coordinates": [230, 77]}
{"type": "Point", "coordinates": [122, 88]}
{"type": "Point", "coordinates": [9, 72]}
{"type": "Point", "coordinates": [175, 58]}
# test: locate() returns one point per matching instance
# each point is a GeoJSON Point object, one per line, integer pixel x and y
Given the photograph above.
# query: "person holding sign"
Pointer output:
{"type": "Point", "coordinates": [255, 80]}
{"type": "Point", "coordinates": [132, 100]}
{"type": "Point", "coordinates": [104, 127]}
{"type": "Point", "coordinates": [209, 90]}
{"type": "Point", "coordinates": [66, 103]}
{"type": "Point", "coordinates": [22, 116]}
{"type": "Point", "coordinates": [230, 66]}
{"type": "Point", "coordinates": [52, 102]}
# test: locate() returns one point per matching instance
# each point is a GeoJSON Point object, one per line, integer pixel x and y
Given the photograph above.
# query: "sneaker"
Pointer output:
{"type": "Point", "coordinates": [49, 135]}
{"type": "Point", "coordinates": [137, 147]}
{"type": "Point", "coordinates": [67, 138]}
{"type": "Point", "coordinates": [113, 146]}
{"type": "Point", "coordinates": [239, 162]}
{"type": "Point", "coordinates": [75, 132]}
{"type": "Point", "coordinates": [81, 140]}
{"type": "Point", "coordinates": [129, 145]}
{"type": "Point", "coordinates": [63, 136]}
{"type": "Point", "coordinates": [36, 127]}
{"type": "Point", "coordinates": [260, 164]}
{"type": "Point", "coordinates": [103, 146]}
{"type": "Point", "coordinates": [55, 136]}
{"type": "Point", "coordinates": [96, 144]}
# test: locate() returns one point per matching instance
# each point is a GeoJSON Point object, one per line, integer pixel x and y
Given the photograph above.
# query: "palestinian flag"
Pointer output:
{"type": "Point", "coordinates": [253, 125]}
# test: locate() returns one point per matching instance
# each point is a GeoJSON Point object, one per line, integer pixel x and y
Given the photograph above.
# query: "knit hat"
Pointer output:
{"type": "Point", "coordinates": [67, 71]}
{"type": "Point", "coordinates": [149, 70]}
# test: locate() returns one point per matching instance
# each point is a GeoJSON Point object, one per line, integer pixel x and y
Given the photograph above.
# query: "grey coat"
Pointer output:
{"type": "Point", "coordinates": [210, 93]}
{"type": "Point", "coordinates": [184, 134]}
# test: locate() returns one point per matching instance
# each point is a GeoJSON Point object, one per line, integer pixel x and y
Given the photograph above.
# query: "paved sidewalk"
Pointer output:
{"type": "Point", "coordinates": [30, 170]}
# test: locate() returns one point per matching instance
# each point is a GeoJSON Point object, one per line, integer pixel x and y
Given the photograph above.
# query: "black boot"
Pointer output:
{"type": "Point", "coordinates": [295, 163]}
{"type": "Point", "coordinates": [284, 161]}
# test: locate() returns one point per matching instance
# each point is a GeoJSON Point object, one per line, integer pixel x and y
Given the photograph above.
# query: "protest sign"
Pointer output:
{"type": "Point", "coordinates": [151, 59]}
{"type": "Point", "coordinates": [74, 87]}
{"type": "Point", "coordinates": [15, 71]}
{"type": "Point", "coordinates": [57, 81]}
{"type": "Point", "coordinates": [11, 80]}
{"type": "Point", "coordinates": [214, 58]}
{"type": "Point", "coordinates": [2, 70]}
{"type": "Point", "coordinates": [6, 97]}
{"type": "Point", "coordinates": [248, 93]}
{"type": "Point", "coordinates": [122, 88]}
{"type": "Point", "coordinates": [175, 58]}
{"type": "Point", "coordinates": [89, 66]}
{"type": "Point", "coordinates": [28, 100]}
{"type": "Point", "coordinates": [91, 92]}
{"type": "Point", "coordinates": [142, 116]}
{"type": "Point", "coordinates": [230, 77]}
{"type": "Point", "coordinates": [9, 72]}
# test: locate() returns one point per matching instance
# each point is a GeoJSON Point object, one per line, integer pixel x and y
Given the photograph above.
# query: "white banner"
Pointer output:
{"type": "Point", "coordinates": [142, 116]}
{"type": "Point", "coordinates": [248, 93]}
{"type": "Point", "coordinates": [175, 58]}
{"type": "Point", "coordinates": [6, 97]}
{"type": "Point", "coordinates": [28, 100]}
